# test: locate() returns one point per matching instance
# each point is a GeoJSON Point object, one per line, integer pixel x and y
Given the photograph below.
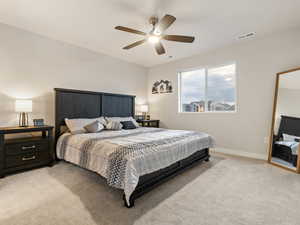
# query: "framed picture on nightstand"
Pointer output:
{"type": "Point", "coordinates": [38, 122]}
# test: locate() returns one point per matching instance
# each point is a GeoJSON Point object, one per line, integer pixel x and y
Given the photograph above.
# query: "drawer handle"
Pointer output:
{"type": "Point", "coordinates": [30, 147]}
{"type": "Point", "coordinates": [28, 158]}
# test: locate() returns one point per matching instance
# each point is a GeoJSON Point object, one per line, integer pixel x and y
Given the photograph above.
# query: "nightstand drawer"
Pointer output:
{"type": "Point", "coordinates": [26, 147]}
{"type": "Point", "coordinates": [27, 158]}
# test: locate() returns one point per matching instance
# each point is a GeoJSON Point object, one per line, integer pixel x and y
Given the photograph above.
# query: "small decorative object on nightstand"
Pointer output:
{"type": "Point", "coordinates": [38, 122]}
{"type": "Point", "coordinates": [18, 154]}
{"type": "Point", "coordinates": [149, 123]}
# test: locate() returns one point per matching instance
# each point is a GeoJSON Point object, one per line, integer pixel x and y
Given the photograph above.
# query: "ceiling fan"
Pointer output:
{"type": "Point", "coordinates": [157, 34]}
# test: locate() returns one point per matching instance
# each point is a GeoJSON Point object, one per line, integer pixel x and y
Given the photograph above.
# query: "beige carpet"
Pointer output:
{"type": "Point", "coordinates": [225, 191]}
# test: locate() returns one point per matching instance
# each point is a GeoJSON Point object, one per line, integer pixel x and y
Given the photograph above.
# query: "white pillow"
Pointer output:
{"type": "Point", "coordinates": [287, 137]}
{"type": "Point", "coordinates": [76, 126]}
{"type": "Point", "coordinates": [122, 119]}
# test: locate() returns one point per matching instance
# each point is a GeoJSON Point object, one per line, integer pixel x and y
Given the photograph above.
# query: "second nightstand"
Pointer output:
{"type": "Point", "coordinates": [25, 153]}
{"type": "Point", "coordinates": [149, 123]}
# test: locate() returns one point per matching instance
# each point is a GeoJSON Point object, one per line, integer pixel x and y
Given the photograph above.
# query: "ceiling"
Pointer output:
{"type": "Point", "coordinates": [90, 23]}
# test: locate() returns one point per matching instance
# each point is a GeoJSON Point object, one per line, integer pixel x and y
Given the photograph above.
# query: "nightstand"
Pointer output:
{"type": "Point", "coordinates": [17, 154]}
{"type": "Point", "coordinates": [149, 123]}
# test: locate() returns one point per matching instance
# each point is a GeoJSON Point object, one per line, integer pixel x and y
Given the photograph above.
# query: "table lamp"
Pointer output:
{"type": "Point", "coordinates": [23, 107]}
{"type": "Point", "coordinates": [144, 110]}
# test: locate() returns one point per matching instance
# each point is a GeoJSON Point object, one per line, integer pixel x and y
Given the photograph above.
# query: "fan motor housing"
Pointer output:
{"type": "Point", "coordinates": [153, 20]}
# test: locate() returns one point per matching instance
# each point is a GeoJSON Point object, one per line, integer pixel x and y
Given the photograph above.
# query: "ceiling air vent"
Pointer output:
{"type": "Point", "coordinates": [249, 35]}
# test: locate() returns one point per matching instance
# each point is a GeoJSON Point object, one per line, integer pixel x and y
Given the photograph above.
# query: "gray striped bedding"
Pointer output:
{"type": "Point", "coordinates": [123, 156]}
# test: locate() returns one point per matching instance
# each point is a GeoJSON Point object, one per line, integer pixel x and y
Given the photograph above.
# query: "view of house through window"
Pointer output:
{"type": "Point", "coordinates": [208, 90]}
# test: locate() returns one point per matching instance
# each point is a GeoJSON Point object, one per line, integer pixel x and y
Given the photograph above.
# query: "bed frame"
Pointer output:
{"type": "Point", "coordinates": [86, 104]}
{"type": "Point", "coordinates": [288, 125]}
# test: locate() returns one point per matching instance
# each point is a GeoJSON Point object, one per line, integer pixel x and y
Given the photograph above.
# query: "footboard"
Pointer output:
{"type": "Point", "coordinates": [150, 181]}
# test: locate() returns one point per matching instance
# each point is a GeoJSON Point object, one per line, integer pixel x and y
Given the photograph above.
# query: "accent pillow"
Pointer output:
{"type": "Point", "coordinates": [114, 125]}
{"type": "Point", "coordinates": [102, 120]}
{"type": "Point", "coordinates": [127, 125]}
{"type": "Point", "coordinates": [76, 126]}
{"type": "Point", "coordinates": [287, 137]}
{"type": "Point", "coordinates": [122, 119]}
{"type": "Point", "coordinates": [94, 127]}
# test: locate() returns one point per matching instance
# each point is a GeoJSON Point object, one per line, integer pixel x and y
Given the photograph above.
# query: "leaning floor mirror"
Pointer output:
{"type": "Point", "coordinates": [285, 133]}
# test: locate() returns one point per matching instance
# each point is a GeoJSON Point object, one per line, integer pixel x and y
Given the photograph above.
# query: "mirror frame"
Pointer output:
{"type": "Point", "coordinates": [297, 170]}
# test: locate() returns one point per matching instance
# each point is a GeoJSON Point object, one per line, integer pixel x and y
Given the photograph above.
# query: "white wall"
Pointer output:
{"type": "Point", "coordinates": [287, 104]}
{"type": "Point", "coordinates": [31, 66]}
{"type": "Point", "coordinates": [257, 63]}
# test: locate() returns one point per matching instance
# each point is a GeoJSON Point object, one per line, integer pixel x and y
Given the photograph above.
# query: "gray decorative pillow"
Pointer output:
{"type": "Point", "coordinates": [114, 125]}
{"type": "Point", "coordinates": [122, 119]}
{"type": "Point", "coordinates": [94, 127]}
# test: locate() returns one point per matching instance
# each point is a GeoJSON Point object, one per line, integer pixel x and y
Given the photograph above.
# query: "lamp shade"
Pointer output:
{"type": "Point", "coordinates": [144, 108]}
{"type": "Point", "coordinates": [23, 106]}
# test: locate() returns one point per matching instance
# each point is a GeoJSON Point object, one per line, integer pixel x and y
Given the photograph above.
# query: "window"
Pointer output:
{"type": "Point", "coordinates": [208, 90]}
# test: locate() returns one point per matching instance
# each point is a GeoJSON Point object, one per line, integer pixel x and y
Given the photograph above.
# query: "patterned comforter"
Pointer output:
{"type": "Point", "coordinates": [123, 156]}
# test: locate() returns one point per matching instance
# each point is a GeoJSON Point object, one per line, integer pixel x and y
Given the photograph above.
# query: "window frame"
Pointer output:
{"type": "Point", "coordinates": [206, 68]}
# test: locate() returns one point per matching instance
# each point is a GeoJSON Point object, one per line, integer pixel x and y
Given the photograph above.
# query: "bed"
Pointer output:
{"type": "Point", "coordinates": [287, 150]}
{"type": "Point", "coordinates": [132, 160]}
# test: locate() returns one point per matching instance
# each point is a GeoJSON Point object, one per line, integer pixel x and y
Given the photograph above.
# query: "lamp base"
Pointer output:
{"type": "Point", "coordinates": [23, 119]}
{"type": "Point", "coordinates": [146, 116]}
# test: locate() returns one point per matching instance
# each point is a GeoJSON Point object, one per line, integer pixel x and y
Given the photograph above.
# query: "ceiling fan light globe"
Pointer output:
{"type": "Point", "coordinates": [154, 39]}
{"type": "Point", "coordinates": [157, 32]}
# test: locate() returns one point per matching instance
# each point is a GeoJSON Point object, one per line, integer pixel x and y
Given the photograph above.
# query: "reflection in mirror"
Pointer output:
{"type": "Point", "coordinates": [286, 133]}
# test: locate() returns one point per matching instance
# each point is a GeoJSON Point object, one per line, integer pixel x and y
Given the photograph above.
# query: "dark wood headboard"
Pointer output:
{"type": "Point", "coordinates": [87, 104]}
{"type": "Point", "coordinates": [289, 125]}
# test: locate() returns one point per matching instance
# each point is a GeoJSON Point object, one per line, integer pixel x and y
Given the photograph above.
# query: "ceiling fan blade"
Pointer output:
{"type": "Point", "coordinates": [135, 44]}
{"type": "Point", "coordinates": [164, 23]}
{"type": "Point", "coordinates": [179, 38]}
{"type": "Point", "coordinates": [127, 29]}
{"type": "Point", "coordinates": [159, 48]}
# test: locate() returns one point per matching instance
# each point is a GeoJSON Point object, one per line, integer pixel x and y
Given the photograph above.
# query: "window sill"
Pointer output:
{"type": "Point", "coordinates": [215, 112]}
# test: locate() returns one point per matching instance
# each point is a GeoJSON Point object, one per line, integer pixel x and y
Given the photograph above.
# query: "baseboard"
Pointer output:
{"type": "Point", "coordinates": [240, 153]}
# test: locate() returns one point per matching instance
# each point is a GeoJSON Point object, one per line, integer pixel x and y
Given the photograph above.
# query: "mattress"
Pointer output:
{"type": "Point", "coordinates": [125, 155]}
